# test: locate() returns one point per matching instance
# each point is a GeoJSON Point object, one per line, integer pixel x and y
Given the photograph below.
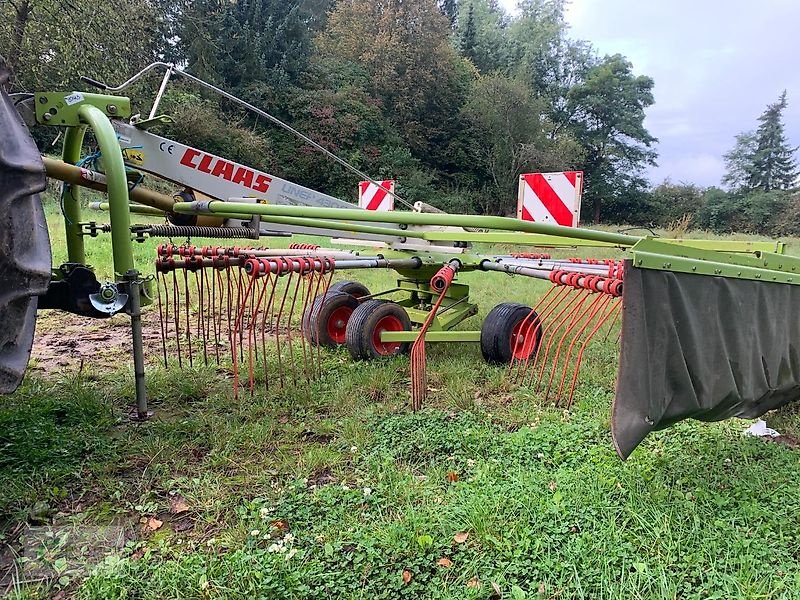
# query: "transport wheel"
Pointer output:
{"type": "Point", "coordinates": [508, 332]}
{"type": "Point", "coordinates": [369, 320]}
{"type": "Point", "coordinates": [354, 288]}
{"type": "Point", "coordinates": [325, 320]}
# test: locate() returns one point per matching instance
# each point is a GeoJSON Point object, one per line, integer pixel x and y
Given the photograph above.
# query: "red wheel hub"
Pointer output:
{"type": "Point", "coordinates": [337, 323]}
{"type": "Point", "coordinates": [387, 323]}
{"type": "Point", "coordinates": [524, 338]}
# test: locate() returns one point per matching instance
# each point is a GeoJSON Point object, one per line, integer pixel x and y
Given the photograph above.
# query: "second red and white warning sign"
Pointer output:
{"type": "Point", "coordinates": [553, 198]}
{"type": "Point", "coordinates": [372, 197]}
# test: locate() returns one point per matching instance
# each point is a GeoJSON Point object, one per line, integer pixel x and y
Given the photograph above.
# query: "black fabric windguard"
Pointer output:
{"type": "Point", "coordinates": [24, 242]}
{"type": "Point", "coordinates": [702, 347]}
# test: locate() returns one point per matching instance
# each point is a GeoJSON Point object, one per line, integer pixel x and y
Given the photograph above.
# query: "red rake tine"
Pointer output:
{"type": "Point", "coordinates": [201, 311]}
{"type": "Point", "coordinates": [300, 264]}
{"type": "Point", "coordinates": [160, 277]}
{"type": "Point", "coordinates": [519, 365]}
{"type": "Point", "coordinates": [615, 309]}
{"type": "Point", "coordinates": [188, 319]}
{"type": "Point", "coordinates": [237, 335]}
{"type": "Point", "coordinates": [252, 342]}
{"type": "Point", "coordinates": [419, 386]}
{"type": "Point", "coordinates": [266, 322]}
{"type": "Point", "coordinates": [549, 329]}
{"type": "Point", "coordinates": [561, 319]}
{"type": "Point", "coordinates": [176, 307]}
{"type": "Point", "coordinates": [576, 317]}
{"type": "Point", "coordinates": [542, 328]}
{"type": "Point", "coordinates": [308, 288]}
{"type": "Point", "coordinates": [283, 266]}
{"type": "Point", "coordinates": [596, 308]}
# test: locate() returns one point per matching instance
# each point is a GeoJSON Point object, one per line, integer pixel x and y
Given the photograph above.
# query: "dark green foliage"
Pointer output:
{"type": "Point", "coordinates": [758, 212]}
{"type": "Point", "coordinates": [608, 108]}
{"type": "Point", "coordinates": [763, 160]}
{"type": "Point", "coordinates": [774, 167]}
{"type": "Point", "coordinates": [673, 202]}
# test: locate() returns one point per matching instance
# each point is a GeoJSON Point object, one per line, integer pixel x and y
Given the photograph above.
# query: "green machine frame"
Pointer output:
{"type": "Point", "coordinates": [81, 112]}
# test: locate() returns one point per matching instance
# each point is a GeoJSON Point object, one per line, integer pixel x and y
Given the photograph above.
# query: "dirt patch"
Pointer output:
{"type": "Point", "coordinates": [69, 342]}
{"type": "Point", "coordinates": [321, 477]}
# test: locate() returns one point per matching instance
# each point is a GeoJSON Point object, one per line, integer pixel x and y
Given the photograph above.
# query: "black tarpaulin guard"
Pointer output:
{"type": "Point", "coordinates": [702, 347]}
{"type": "Point", "coordinates": [24, 242]}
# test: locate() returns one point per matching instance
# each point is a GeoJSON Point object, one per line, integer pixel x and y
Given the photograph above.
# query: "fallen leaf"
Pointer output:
{"type": "Point", "coordinates": [406, 576]}
{"type": "Point", "coordinates": [139, 553]}
{"type": "Point", "coordinates": [474, 583]}
{"type": "Point", "coordinates": [552, 486]}
{"type": "Point", "coordinates": [444, 562]}
{"type": "Point", "coordinates": [460, 537]}
{"type": "Point", "coordinates": [178, 505]}
{"type": "Point", "coordinates": [154, 524]}
{"type": "Point", "coordinates": [452, 476]}
{"type": "Point", "coordinates": [497, 593]}
{"type": "Point", "coordinates": [280, 524]}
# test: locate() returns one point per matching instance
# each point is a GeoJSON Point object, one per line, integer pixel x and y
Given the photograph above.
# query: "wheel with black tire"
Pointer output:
{"type": "Point", "coordinates": [368, 322]}
{"type": "Point", "coordinates": [509, 331]}
{"type": "Point", "coordinates": [325, 320]}
{"type": "Point", "coordinates": [354, 288]}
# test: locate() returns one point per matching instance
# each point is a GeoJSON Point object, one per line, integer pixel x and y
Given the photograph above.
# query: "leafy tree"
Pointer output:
{"type": "Point", "coordinates": [505, 120]}
{"type": "Point", "coordinates": [411, 66]}
{"type": "Point", "coordinates": [608, 109]}
{"type": "Point", "coordinates": [481, 35]}
{"type": "Point", "coordinates": [51, 43]}
{"type": "Point", "coordinates": [536, 36]}
{"type": "Point", "coordinates": [671, 202]}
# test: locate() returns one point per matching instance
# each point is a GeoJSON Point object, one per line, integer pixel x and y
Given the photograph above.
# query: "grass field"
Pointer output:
{"type": "Point", "coordinates": [339, 491]}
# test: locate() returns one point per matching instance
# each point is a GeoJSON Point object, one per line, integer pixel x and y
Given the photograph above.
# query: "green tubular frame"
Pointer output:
{"type": "Point", "coordinates": [687, 256]}
{"type": "Point", "coordinates": [314, 215]}
{"type": "Point", "coordinates": [93, 110]}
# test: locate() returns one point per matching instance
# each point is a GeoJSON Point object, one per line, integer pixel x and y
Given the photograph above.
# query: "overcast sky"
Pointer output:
{"type": "Point", "coordinates": [716, 65]}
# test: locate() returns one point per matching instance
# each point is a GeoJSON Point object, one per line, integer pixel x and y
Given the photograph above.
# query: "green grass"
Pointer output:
{"type": "Point", "coordinates": [338, 490]}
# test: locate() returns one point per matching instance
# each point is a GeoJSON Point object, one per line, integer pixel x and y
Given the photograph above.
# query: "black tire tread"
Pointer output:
{"type": "Point", "coordinates": [363, 322]}
{"type": "Point", "coordinates": [354, 288]}
{"type": "Point", "coordinates": [496, 331]}
{"type": "Point", "coordinates": [317, 314]}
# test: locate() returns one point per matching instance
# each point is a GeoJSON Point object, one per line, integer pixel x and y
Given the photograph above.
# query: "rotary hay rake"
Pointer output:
{"type": "Point", "coordinates": [707, 328]}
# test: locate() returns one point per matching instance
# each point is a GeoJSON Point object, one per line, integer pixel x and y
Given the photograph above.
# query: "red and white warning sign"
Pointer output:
{"type": "Point", "coordinates": [553, 198]}
{"type": "Point", "coordinates": [371, 197]}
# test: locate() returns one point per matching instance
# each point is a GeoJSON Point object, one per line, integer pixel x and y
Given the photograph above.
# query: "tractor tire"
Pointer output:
{"type": "Point", "coordinates": [24, 241]}
{"type": "Point", "coordinates": [369, 320]}
{"type": "Point", "coordinates": [354, 288]}
{"type": "Point", "coordinates": [325, 320]}
{"type": "Point", "coordinates": [501, 330]}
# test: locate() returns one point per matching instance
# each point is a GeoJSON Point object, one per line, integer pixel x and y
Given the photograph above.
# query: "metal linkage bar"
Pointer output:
{"type": "Point", "coordinates": [333, 216]}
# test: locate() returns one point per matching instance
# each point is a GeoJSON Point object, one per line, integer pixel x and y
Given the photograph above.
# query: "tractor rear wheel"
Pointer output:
{"type": "Point", "coordinates": [325, 320]}
{"type": "Point", "coordinates": [369, 321]}
{"type": "Point", "coordinates": [24, 242]}
{"type": "Point", "coordinates": [354, 288]}
{"type": "Point", "coordinates": [510, 331]}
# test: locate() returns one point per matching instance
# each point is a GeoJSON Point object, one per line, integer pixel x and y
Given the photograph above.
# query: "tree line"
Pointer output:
{"type": "Point", "coordinates": [454, 98]}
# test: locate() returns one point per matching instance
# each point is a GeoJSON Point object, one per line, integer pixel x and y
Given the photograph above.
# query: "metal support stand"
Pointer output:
{"type": "Point", "coordinates": [135, 311]}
